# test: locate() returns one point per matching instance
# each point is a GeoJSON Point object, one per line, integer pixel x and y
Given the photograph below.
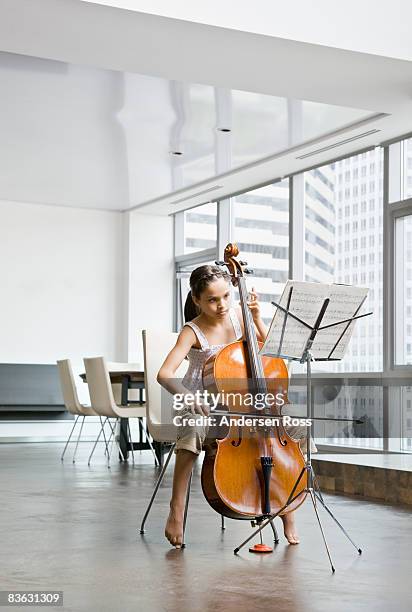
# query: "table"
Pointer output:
{"type": "Point", "coordinates": [130, 376]}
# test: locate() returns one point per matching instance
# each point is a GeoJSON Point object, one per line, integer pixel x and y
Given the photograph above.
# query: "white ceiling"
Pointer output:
{"type": "Point", "coordinates": [381, 28]}
{"type": "Point", "coordinates": [79, 136]}
{"type": "Point", "coordinates": [126, 88]}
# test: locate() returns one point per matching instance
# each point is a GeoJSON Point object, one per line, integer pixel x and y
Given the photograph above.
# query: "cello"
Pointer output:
{"type": "Point", "coordinates": [252, 471]}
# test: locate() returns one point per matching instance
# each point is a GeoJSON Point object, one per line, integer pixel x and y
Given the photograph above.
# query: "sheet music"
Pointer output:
{"type": "Point", "coordinates": [305, 302]}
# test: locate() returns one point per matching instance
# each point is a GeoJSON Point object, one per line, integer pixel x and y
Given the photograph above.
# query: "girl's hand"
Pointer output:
{"type": "Point", "coordinates": [254, 305]}
{"type": "Point", "coordinates": [200, 407]}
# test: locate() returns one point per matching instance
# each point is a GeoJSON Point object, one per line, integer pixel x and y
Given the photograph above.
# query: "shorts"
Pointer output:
{"type": "Point", "coordinates": [190, 437]}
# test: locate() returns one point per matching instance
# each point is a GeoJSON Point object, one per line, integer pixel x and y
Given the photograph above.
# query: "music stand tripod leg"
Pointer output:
{"type": "Point", "coordinates": [275, 533]}
{"type": "Point", "coordinates": [313, 484]}
{"type": "Point", "coordinates": [319, 496]}
{"type": "Point", "coordinates": [312, 497]}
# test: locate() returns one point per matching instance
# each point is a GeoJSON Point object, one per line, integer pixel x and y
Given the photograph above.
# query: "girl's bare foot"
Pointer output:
{"type": "Point", "coordinates": [174, 527]}
{"type": "Point", "coordinates": [289, 528]}
{"type": "Point", "coordinates": [181, 476]}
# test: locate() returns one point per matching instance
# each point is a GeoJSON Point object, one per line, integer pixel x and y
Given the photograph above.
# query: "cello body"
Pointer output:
{"type": "Point", "coordinates": [232, 478]}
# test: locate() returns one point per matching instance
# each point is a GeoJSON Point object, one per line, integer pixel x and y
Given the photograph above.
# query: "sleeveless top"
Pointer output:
{"type": "Point", "coordinates": [192, 380]}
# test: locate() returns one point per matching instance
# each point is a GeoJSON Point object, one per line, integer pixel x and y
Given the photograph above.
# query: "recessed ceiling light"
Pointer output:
{"type": "Point", "coordinates": [176, 152]}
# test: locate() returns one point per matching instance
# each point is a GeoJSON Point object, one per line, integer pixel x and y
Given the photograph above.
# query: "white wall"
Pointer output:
{"type": "Point", "coordinates": [151, 277]}
{"type": "Point", "coordinates": [62, 284]}
{"type": "Point", "coordinates": [78, 283]}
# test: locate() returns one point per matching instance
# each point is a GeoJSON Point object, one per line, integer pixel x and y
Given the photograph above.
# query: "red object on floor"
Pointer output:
{"type": "Point", "coordinates": [261, 548]}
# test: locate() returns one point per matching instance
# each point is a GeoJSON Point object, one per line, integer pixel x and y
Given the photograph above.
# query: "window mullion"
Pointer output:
{"type": "Point", "coordinates": [224, 225]}
{"type": "Point", "coordinates": [297, 227]}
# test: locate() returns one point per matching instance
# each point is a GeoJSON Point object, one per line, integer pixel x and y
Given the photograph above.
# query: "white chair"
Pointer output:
{"type": "Point", "coordinates": [156, 345]}
{"type": "Point", "coordinates": [103, 402]}
{"type": "Point", "coordinates": [71, 400]}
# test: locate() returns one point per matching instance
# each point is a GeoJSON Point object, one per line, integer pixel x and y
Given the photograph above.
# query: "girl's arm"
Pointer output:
{"type": "Point", "coordinates": [254, 306]}
{"type": "Point", "coordinates": [261, 329]}
{"type": "Point", "coordinates": [167, 373]}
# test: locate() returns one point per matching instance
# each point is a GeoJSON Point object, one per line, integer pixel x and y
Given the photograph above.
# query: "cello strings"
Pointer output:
{"type": "Point", "coordinates": [256, 363]}
{"type": "Point", "coordinates": [258, 374]}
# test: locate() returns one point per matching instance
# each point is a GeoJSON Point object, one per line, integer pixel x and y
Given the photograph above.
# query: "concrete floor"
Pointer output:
{"type": "Point", "coordinates": [73, 528]}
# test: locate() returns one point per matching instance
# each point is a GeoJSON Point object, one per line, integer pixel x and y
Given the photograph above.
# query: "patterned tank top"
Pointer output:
{"type": "Point", "coordinates": [197, 357]}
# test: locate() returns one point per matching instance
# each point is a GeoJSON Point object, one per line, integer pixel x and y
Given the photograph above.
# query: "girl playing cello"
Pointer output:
{"type": "Point", "coordinates": [211, 324]}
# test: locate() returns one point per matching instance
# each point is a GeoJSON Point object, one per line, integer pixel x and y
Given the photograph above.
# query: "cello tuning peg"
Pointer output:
{"type": "Point", "coordinates": [248, 271]}
{"type": "Point", "coordinates": [243, 263]}
{"type": "Point", "coordinates": [220, 263]}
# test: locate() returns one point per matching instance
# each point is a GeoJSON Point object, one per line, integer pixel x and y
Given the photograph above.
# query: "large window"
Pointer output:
{"type": "Point", "coordinates": [399, 214]}
{"type": "Point", "coordinates": [183, 272]}
{"type": "Point", "coordinates": [320, 222]}
{"type": "Point", "coordinates": [403, 290]}
{"type": "Point", "coordinates": [200, 228]}
{"type": "Point", "coordinates": [350, 400]}
{"type": "Point", "coordinates": [347, 222]}
{"type": "Point", "coordinates": [261, 231]}
{"type": "Point", "coordinates": [344, 244]}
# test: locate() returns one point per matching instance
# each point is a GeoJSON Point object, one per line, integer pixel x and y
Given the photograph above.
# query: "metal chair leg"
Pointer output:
{"type": "Point", "coordinates": [130, 439]}
{"type": "Point", "coordinates": [139, 420]}
{"type": "Point", "coordinates": [78, 438]}
{"type": "Point", "coordinates": [110, 438]}
{"type": "Point", "coordinates": [104, 436]}
{"type": "Point", "coordinates": [158, 483]}
{"type": "Point", "coordinates": [113, 428]}
{"type": "Point", "coordinates": [186, 508]}
{"type": "Point", "coordinates": [97, 439]}
{"type": "Point", "coordinates": [151, 445]}
{"type": "Point", "coordinates": [68, 439]}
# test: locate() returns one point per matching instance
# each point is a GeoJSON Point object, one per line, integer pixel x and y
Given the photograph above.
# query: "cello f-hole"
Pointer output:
{"type": "Point", "coordinates": [239, 439]}
{"type": "Point", "coordinates": [281, 440]}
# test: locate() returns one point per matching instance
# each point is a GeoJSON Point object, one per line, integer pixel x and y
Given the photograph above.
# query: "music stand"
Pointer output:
{"type": "Point", "coordinates": [340, 339]}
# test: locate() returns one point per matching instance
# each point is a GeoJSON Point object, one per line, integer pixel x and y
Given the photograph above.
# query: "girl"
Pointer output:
{"type": "Point", "coordinates": [211, 323]}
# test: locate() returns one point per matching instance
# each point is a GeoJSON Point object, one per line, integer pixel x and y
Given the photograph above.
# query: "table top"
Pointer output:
{"type": "Point", "coordinates": [118, 371]}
